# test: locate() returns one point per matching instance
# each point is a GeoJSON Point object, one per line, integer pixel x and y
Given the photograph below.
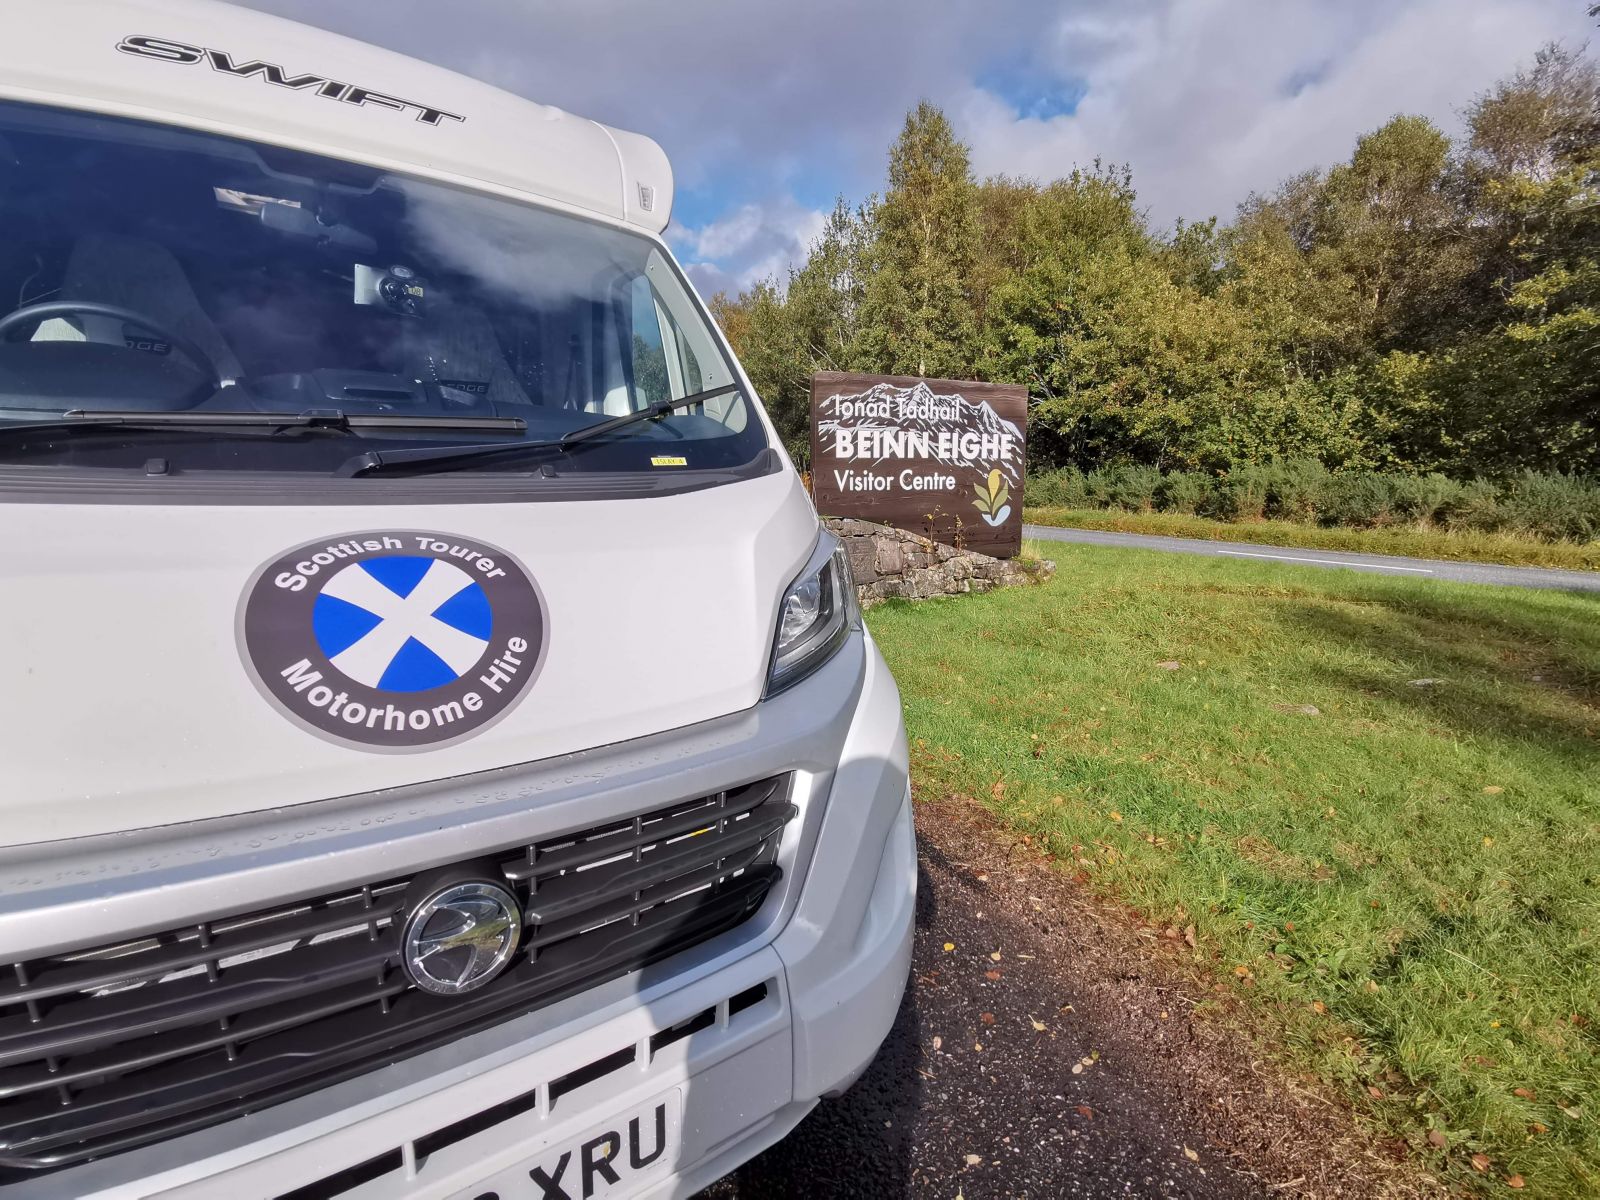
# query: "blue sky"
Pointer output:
{"type": "Point", "coordinates": [769, 109]}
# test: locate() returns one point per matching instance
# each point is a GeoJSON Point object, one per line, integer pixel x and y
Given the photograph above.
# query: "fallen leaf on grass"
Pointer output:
{"type": "Point", "coordinates": [1424, 682]}
{"type": "Point", "coordinates": [1525, 1093]}
{"type": "Point", "coordinates": [1188, 934]}
{"type": "Point", "coordinates": [1375, 1093]}
{"type": "Point", "coordinates": [1305, 710]}
{"type": "Point", "coordinates": [1492, 790]}
{"type": "Point", "coordinates": [1480, 1162]}
{"type": "Point", "coordinates": [1317, 1006]}
{"type": "Point", "coordinates": [1516, 1181]}
{"type": "Point", "coordinates": [1438, 1140]}
{"type": "Point", "coordinates": [1574, 1112]}
{"type": "Point", "coordinates": [1169, 665]}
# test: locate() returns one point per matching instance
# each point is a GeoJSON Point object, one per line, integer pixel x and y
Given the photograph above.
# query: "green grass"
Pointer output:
{"type": "Point", "coordinates": [1403, 888]}
{"type": "Point", "coordinates": [1415, 541]}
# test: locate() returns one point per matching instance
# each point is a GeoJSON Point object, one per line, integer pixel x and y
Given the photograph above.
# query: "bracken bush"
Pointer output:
{"type": "Point", "coordinates": [1549, 507]}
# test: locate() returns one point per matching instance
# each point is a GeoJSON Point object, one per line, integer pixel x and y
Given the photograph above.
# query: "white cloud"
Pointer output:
{"type": "Point", "coordinates": [1206, 99]}
{"type": "Point", "coordinates": [754, 242]}
{"type": "Point", "coordinates": [742, 95]}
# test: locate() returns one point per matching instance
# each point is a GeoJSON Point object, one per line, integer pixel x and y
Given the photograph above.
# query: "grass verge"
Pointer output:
{"type": "Point", "coordinates": [1371, 804]}
{"type": "Point", "coordinates": [1412, 541]}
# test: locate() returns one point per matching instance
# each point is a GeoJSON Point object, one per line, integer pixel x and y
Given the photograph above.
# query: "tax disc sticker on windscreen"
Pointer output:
{"type": "Point", "coordinates": [393, 640]}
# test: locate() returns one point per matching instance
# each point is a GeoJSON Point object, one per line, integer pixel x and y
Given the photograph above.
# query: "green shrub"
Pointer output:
{"type": "Point", "coordinates": [1295, 487]}
{"type": "Point", "coordinates": [1550, 507]}
{"type": "Point", "coordinates": [1422, 497]}
{"type": "Point", "coordinates": [1060, 488]}
{"type": "Point", "coordinates": [1363, 499]}
{"type": "Point", "coordinates": [1184, 492]}
{"type": "Point", "coordinates": [1553, 506]}
{"type": "Point", "coordinates": [1129, 487]}
{"type": "Point", "coordinates": [1475, 507]}
{"type": "Point", "coordinates": [1241, 494]}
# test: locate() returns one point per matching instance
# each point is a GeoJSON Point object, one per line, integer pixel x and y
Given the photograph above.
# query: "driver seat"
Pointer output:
{"type": "Point", "coordinates": [454, 344]}
{"type": "Point", "coordinates": [142, 276]}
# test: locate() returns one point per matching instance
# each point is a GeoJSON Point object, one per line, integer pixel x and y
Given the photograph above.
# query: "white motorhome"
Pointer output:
{"type": "Point", "coordinates": [441, 751]}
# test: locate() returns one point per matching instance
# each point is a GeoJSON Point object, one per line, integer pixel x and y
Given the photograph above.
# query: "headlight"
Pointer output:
{"type": "Point", "coordinates": [817, 614]}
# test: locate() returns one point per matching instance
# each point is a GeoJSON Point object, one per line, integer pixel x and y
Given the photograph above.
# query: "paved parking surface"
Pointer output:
{"type": "Point", "coordinates": [992, 1084]}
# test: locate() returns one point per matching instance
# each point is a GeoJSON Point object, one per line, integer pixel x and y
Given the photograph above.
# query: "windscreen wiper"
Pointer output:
{"type": "Point", "coordinates": [316, 418]}
{"type": "Point", "coordinates": [653, 412]}
{"type": "Point", "coordinates": [381, 460]}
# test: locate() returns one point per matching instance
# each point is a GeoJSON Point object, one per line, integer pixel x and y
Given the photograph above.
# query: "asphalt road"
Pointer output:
{"type": "Point", "coordinates": [1382, 564]}
{"type": "Point", "coordinates": [993, 1084]}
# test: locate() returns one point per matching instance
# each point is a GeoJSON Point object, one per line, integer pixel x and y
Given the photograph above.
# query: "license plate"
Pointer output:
{"type": "Point", "coordinates": [610, 1160]}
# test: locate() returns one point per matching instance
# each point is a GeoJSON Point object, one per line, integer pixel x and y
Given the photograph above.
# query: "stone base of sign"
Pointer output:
{"type": "Point", "coordinates": [890, 563]}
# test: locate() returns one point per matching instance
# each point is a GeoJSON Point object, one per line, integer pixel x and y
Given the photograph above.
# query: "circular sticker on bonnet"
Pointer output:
{"type": "Point", "coordinates": [393, 639]}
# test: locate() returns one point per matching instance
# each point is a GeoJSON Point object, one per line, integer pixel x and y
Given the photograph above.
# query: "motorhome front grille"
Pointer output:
{"type": "Point", "coordinates": [111, 1047]}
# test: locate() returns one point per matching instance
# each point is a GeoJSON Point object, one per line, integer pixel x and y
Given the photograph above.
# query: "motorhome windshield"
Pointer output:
{"type": "Point", "coordinates": [165, 294]}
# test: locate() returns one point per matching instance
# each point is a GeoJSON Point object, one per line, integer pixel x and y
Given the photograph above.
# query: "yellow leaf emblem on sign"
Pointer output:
{"type": "Point", "coordinates": [992, 495]}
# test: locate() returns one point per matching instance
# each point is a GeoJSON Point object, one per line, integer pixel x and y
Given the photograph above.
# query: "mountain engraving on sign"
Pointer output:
{"type": "Point", "coordinates": [941, 458]}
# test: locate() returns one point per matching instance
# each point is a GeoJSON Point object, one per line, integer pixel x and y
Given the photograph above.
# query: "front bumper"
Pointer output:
{"type": "Point", "coordinates": [750, 1028]}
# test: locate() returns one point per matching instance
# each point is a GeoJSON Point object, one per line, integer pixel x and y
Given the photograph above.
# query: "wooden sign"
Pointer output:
{"type": "Point", "coordinates": [934, 456]}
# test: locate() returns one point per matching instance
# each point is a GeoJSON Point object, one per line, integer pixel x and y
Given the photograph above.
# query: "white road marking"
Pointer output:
{"type": "Point", "coordinates": [1333, 562]}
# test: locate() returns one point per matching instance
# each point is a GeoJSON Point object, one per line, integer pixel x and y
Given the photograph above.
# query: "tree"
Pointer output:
{"type": "Point", "coordinates": [1538, 119]}
{"type": "Point", "coordinates": [1131, 347]}
{"type": "Point", "coordinates": [825, 295]}
{"type": "Point", "coordinates": [1420, 306]}
{"type": "Point", "coordinates": [763, 337]}
{"type": "Point", "coordinates": [1551, 346]}
{"type": "Point", "coordinates": [917, 315]}
{"type": "Point", "coordinates": [1515, 387]}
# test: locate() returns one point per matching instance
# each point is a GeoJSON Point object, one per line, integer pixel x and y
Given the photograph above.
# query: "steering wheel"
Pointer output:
{"type": "Point", "coordinates": [32, 314]}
